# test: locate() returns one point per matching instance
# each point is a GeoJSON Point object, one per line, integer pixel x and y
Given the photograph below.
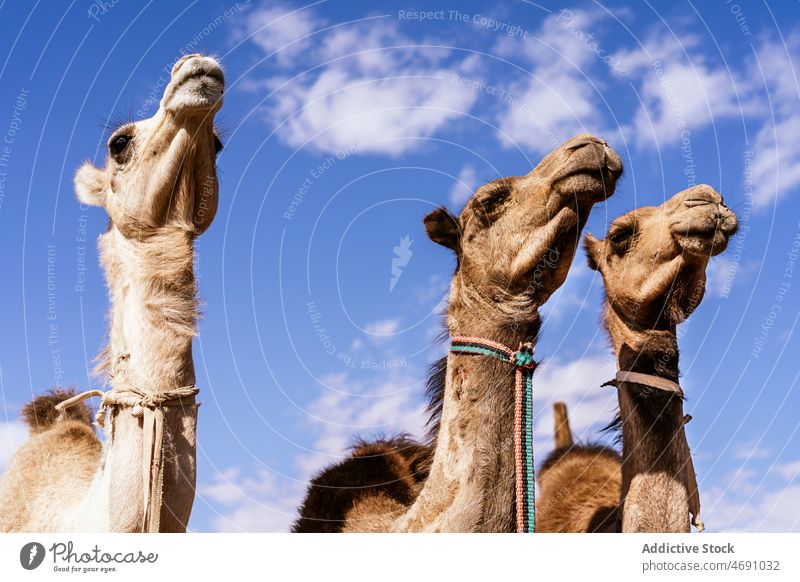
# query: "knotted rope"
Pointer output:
{"type": "Point", "coordinates": [150, 407]}
{"type": "Point", "coordinates": [524, 366]}
{"type": "Point", "coordinates": [665, 385]}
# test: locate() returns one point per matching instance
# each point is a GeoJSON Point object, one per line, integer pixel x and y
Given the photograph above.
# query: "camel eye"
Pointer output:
{"type": "Point", "coordinates": [489, 200]}
{"type": "Point", "coordinates": [621, 238]}
{"type": "Point", "coordinates": [218, 147]}
{"type": "Point", "coordinates": [119, 143]}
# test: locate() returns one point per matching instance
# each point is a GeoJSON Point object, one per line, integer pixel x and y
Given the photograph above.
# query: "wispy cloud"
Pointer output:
{"type": "Point", "coordinates": [577, 383]}
{"type": "Point", "coordinates": [681, 90]}
{"type": "Point", "coordinates": [753, 502]}
{"type": "Point", "coordinates": [388, 404]}
{"type": "Point", "coordinates": [257, 502]}
{"type": "Point", "coordinates": [281, 31]}
{"type": "Point", "coordinates": [464, 186]}
{"type": "Point", "coordinates": [724, 272]}
{"type": "Point", "coordinates": [369, 88]}
{"type": "Point", "coordinates": [255, 499]}
{"type": "Point", "coordinates": [383, 328]}
{"type": "Point", "coordinates": [557, 100]}
{"type": "Point", "coordinates": [773, 75]}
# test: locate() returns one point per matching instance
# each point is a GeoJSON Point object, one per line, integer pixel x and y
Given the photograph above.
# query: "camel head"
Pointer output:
{"type": "Point", "coordinates": [516, 237]}
{"type": "Point", "coordinates": [653, 260]}
{"type": "Point", "coordinates": [161, 171]}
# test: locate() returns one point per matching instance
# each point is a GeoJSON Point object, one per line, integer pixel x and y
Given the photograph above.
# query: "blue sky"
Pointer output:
{"type": "Point", "coordinates": [344, 124]}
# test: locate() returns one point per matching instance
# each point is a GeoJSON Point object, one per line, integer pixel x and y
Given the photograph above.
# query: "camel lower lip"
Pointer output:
{"type": "Point", "coordinates": [699, 233]}
{"type": "Point", "coordinates": [202, 76]}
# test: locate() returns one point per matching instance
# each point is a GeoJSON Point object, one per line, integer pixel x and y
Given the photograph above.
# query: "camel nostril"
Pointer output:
{"type": "Point", "coordinates": [578, 144]}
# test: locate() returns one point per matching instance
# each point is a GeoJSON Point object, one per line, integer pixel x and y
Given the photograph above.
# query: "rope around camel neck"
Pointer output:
{"type": "Point", "coordinates": [150, 407]}
{"type": "Point", "coordinates": [523, 363]}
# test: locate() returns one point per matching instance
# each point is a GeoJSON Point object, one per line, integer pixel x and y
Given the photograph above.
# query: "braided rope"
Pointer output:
{"type": "Point", "coordinates": [150, 407]}
{"type": "Point", "coordinates": [524, 366]}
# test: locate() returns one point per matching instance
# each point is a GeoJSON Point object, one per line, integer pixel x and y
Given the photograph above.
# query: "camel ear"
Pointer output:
{"type": "Point", "coordinates": [442, 227]}
{"type": "Point", "coordinates": [91, 185]}
{"type": "Point", "coordinates": [592, 247]}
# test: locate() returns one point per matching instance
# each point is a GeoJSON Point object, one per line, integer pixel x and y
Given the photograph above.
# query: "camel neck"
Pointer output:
{"type": "Point", "coordinates": [153, 309]}
{"type": "Point", "coordinates": [646, 351]}
{"type": "Point", "coordinates": [655, 454]}
{"type": "Point", "coordinates": [153, 317]}
{"type": "Point", "coordinates": [471, 482]}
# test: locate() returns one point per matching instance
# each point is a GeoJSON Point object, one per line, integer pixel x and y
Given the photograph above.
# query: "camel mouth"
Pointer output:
{"type": "Point", "coordinates": [591, 172]}
{"type": "Point", "coordinates": [708, 238]}
{"type": "Point", "coordinates": [707, 228]}
{"type": "Point", "coordinates": [198, 84]}
{"type": "Point", "coordinates": [594, 183]}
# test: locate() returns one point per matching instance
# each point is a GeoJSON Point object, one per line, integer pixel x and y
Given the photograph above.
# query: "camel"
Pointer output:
{"type": "Point", "coordinates": [160, 190]}
{"type": "Point", "coordinates": [514, 243]}
{"type": "Point", "coordinates": [579, 484]}
{"type": "Point", "coordinates": [653, 264]}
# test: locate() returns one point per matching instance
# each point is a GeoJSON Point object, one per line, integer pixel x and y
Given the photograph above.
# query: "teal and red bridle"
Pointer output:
{"type": "Point", "coordinates": [524, 365]}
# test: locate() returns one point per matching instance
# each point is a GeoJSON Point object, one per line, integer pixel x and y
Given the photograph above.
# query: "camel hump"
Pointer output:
{"type": "Point", "coordinates": [562, 431]}
{"type": "Point", "coordinates": [40, 413]}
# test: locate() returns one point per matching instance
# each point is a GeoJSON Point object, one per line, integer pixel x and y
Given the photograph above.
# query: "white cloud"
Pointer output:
{"type": "Point", "coordinates": [684, 91]}
{"type": "Point", "coordinates": [577, 383]}
{"type": "Point", "coordinates": [751, 450]}
{"type": "Point", "coordinates": [547, 111]}
{"type": "Point", "coordinates": [464, 186]}
{"type": "Point", "coordinates": [680, 90]}
{"type": "Point", "coordinates": [349, 407]}
{"type": "Point", "coordinates": [380, 330]}
{"type": "Point", "coordinates": [263, 502]}
{"type": "Point", "coordinates": [776, 161]}
{"type": "Point", "coordinates": [557, 101]}
{"type": "Point", "coordinates": [748, 505]}
{"type": "Point", "coordinates": [723, 272]}
{"type": "Point", "coordinates": [280, 30]}
{"type": "Point", "coordinates": [789, 471]}
{"type": "Point", "coordinates": [258, 500]}
{"type": "Point", "coordinates": [12, 436]}
{"type": "Point", "coordinates": [377, 93]}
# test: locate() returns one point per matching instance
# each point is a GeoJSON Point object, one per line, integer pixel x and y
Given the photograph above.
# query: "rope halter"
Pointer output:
{"type": "Point", "coordinates": [149, 406]}
{"type": "Point", "coordinates": [524, 366]}
{"type": "Point", "coordinates": [665, 385]}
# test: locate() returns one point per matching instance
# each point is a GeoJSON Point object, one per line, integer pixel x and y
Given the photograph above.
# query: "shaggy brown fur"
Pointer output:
{"type": "Point", "coordinates": [514, 242]}
{"type": "Point", "coordinates": [579, 485]}
{"type": "Point", "coordinates": [386, 468]}
{"type": "Point", "coordinates": [579, 490]}
{"type": "Point", "coordinates": [40, 413]}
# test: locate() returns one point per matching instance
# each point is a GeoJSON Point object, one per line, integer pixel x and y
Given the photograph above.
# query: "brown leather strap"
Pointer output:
{"type": "Point", "coordinates": [646, 380]}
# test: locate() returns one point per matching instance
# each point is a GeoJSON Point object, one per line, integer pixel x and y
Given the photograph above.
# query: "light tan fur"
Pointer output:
{"type": "Point", "coordinates": [515, 241]}
{"type": "Point", "coordinates": [160, 192]}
